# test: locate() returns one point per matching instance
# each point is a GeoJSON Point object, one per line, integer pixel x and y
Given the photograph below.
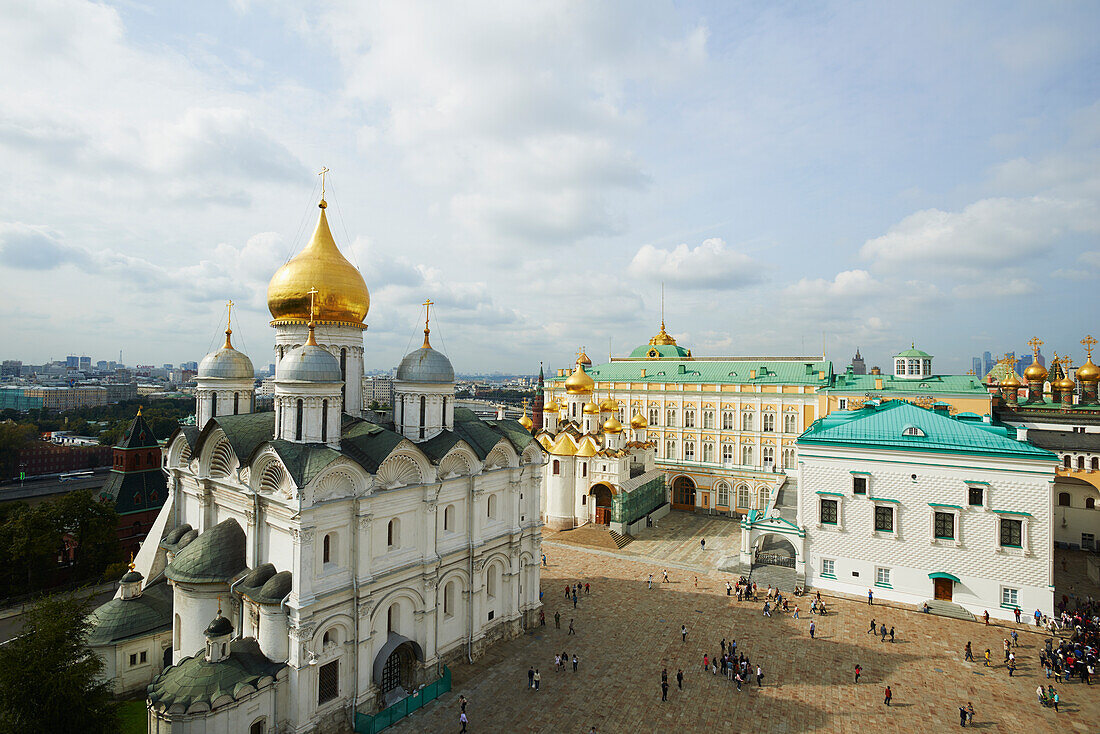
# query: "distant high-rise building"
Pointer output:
{"type": "Point", "coordinates": [859, 367]}
{"type": "Point", "coordinates": [85, 363]}
{"type": "Point", "coordinates": [189, 366]}
{"type": "Point", "coordinates": [72, 361]}
{"type": "Point", "coordinates": [987, 363]}
{"type": "Point", "coordinates": [11, 368]}
{"type": "Point", "coordinates": [103, 365]}
{"type": "Point", "coordinates": [976, 366]}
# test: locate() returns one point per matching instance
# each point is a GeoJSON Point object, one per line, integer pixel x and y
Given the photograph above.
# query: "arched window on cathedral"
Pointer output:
{"type": "Point", "coordinates": [326, 549]}
{"type": "Point", "coordinates": [557, 467]}
{"type": "Point", "coordinates": [324, 421]}
{"type": "Point", "coordinates": [213, 404]}
{"type": "Point", "coordinates": [393, 534]}
{"type": "Point", "coordinates": [236, 403]}
{"type": "Point", "coordinates": [423, 413]}
{"type": "Point", "coordinates": [298, 421]}
{"type": "Point", "coordinates": [344, 374]}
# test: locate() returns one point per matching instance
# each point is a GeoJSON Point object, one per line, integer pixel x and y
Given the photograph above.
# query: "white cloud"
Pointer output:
{"type": "Point", "coordinates": [711, 264]}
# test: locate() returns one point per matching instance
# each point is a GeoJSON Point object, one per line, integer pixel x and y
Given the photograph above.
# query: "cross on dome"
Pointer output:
{"type": "Point", "coordinates": [428, 303]}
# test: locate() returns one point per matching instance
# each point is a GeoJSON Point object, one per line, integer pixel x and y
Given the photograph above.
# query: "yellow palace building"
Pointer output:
{"type": "Point", "coordinates": [725, 427]}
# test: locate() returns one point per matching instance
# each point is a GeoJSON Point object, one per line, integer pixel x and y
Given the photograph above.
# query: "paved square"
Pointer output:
{"type": "Point", "coordinates": [626, 633]}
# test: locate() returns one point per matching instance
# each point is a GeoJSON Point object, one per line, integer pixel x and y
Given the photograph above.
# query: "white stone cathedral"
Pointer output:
{"type": "Point", "coordinates": [318, 560]}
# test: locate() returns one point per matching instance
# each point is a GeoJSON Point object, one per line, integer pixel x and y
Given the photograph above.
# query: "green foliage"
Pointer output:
{"type": "Point", "coordinates": [134, 717]}
{"type": "Point", "coordinates": [49, 679]}
{"type": "Point", "coordinates": [108, 422]}
{"type": "Point", "coordinates": [13, 437]}
{"type": "Point", "coordinates": [31, 541]}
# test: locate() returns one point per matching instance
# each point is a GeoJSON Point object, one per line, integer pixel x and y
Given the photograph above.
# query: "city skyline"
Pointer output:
{"type": "Point", "coordinates": [936, 187]}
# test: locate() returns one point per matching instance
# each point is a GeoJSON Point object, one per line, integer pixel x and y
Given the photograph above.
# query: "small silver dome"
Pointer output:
{"type": "Point", "coordinates": [310, 364]}
{"type": "Point", "coordinates": [227, 362]}
{"type": "Point", "coordinates": [425, 365]}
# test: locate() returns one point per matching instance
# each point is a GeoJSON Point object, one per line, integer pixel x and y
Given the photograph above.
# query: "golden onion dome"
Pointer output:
{"type": "Point", "coordinates": [551, 407]}
{"type": "Point", "coordinates": [612, 425]}
{"type": "Point", "coordinates": [582, 358]}
{"type": "Point", "coordinates": [1035, 372]}
{"type": "Point", "coordinates": [607, 405]}
{"type": "Point", "coordinates": [591, 408]}
{"type": "Point", "coordinates": [1066, 383]}
{"type": "Point", "coordinates": [639, 421]}
{"type": "Point", "coordinates": [526, 422]}
{"type": "Point", "coordinates": [579, 383]}
{"type": "Point", "coordinates": [1088, 372]}
{"type": "Point", "coordinates": [1011, 380]}
{"type": "Point", "coordinates": [342, 296]}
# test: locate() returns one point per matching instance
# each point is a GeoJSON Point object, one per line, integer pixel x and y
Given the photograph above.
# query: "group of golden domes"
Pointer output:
{"type": "Point", "coordinates": [581, 383]}
{"type": "Point", "coordinates": [341, 295]}
{"type": "Point", "coordinates": [1059, 379]}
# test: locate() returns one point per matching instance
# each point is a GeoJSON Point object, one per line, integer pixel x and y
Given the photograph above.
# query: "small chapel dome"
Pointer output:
{"type": "Point", "coordinates": [592, 408]}
{"type": "Point", "coordinates": [1035, 372]}
{"type": "Point", "coordinates": [639, 422]}
{"type": "Point", "coordinates": [227, 363]}
{"type": "Point", "coordinates": [580, 383]}
{"type": "Point", "coordinates": [425, 365]}
{"type": "Point", "coordinates": [612, 425]}
{"type": "Point", "coordinates": [608, 405]}
{"type": "Point", "coordinates": [526, 422]}
{"type": "Point", "coordinates": [310, 363]}
{"type": "Point", "coordinates": [219, 626]}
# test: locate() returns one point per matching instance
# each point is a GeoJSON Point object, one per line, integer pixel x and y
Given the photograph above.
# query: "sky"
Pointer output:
{"type": "Point", "coordinates": [799, 176]}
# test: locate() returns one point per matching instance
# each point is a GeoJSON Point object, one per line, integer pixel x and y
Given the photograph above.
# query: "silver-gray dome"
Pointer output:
{"type": "Point", "coordinates": [227, 362]}
{"type": "Point", "coordinates": [310, 364]}
{"type": "Point", "coordinates": [425, 365]}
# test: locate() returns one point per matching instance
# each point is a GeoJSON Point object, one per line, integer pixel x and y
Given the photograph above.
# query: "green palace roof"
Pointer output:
{"type": "Point", "coordinates": [914, 352]}
{"type": "Point", "coordinates": [931, 385]}
{"type": "Point", "coordinates": [883, 425]}
{"type": "Point", "coordinates": [746, 371]}
{"type": "Point", "coordinates": [660, 351]}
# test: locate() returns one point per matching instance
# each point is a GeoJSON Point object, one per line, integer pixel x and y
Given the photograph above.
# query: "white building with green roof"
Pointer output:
{"type": "Point", "coordinates": [917, 505]}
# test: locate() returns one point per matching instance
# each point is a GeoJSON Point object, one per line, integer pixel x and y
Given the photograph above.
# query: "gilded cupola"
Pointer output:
{"type": "Point", "coordinates": [579, 383]}
{"type": "Point", "coordinates": [1088, 372]}
{"type": "Point", "coordinates": [342, 294]}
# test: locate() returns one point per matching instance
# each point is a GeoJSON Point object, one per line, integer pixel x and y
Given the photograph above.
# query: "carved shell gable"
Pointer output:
{"type": "Point", "coordinates": [398, 471]}
{"type": "Point", "coordinates": [334, 485]}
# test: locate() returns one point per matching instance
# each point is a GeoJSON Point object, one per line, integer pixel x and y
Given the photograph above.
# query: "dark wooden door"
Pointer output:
{"type": "Point", "coordinates": [603, 515]}
{"type": "Point", "coordinates": [943, 588]}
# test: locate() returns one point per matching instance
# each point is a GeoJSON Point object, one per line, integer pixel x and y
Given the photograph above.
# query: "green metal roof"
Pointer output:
{"type": "Point", "coordinates": [881, 426]}
{"type": "Point", "coordinates": [216, 556]}
{"type": "Point", "coordinates": [135, 491]}
{"type": "Point", "coordinates": [913, 353]}
{"type": "Point", "coordinates": [663, 351]}
{"type": "Point", "coordinates": [122, 619]}
{"type": "Point", "coordinates": [943, 575]}
{"type": "Point", "coordinates": [846, 383]}
{"type": "Point", "coordinates": [138, 435]}
{"type": "Point", "coordinates": [708, 371]}
{"type": "Point", "coordinates": [194, 680]}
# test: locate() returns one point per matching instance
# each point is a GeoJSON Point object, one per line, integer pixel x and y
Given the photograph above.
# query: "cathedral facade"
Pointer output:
{"type": "Point", "coordinates": [321, 560]}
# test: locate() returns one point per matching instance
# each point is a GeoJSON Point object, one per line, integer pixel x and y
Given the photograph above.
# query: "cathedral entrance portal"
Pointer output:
{"type": "Point", "coordinates": [683, 494]}
{"type": "Point", "coordinates": [396, 671]}
{"type": "Point", "coordinates": [601, 498]}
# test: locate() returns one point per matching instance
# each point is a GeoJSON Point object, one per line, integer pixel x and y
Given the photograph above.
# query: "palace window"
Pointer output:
{"type": "Point", "coordinates": [708, 419]}
{"type": "Point", "coordinates": [393, 533]}
{"type": "Point", "coordinates": [1009, 597]}
{"type": "Point", "coordinates": [727, 453]}
{"type": "Point", "coordinates": [976, 496]}
{"type": "Point", "coordinates": [944, 525]}
{"type": "Point", "coordinates": [899, 367]}
{"type": "Point", "coordinates": [723, 494]}
{"type": "Point", "coordinates": [884, 519]}
{"type": "Point", "coordinates": [670, 417]}
{"type": "Point", "coordinates": [743, 497]}
{"type": "Point", "coordinates": [788, 458]}
{"type": "Point", "coordinates": [727, 420]}
{"type": "Point", "coordinates": [1012, 533]}
{"type": "Point", "coordinates": [491, 507]}
{"type": "Point", "coordinates": [326, 549]}
{"type": "Point", "coordinates": [557, 467]}
{"type": "Point", "coordinates": [449, 518]}
{"type": "Point", "coordinates": [769, 422]}
{"type": "Point", "coordinates": [328, 682]}
{"type": "Point", "coordinates": [689, 418]}
{"type": "Point", "coordinates": [1063, 499]}
{"type": "Point", "coordinates": [828, 512]}
{"type": "Point", "coordinates": [746, 421]}
{"type": "Point", "coordinates": [324, 421]}
{"type": "Point", "coordinates": [882, 576]}
{"type": "Point", "coordinates": [769, 455]}
{"type": "Point", "coordinates": [746, 455]}
{"type": "Point", "coordinates": [449, 599]}
{"type": "Point", "coordinates": [762, 495]}
{"type": "Point", "coordinates": [654, 415]}
{"type": "Point", "coordinates": [859, 485]}
{"type": "Point", "coordinates": [236, 402]}
{"type": "Point", "coordinates": [708, 452]}
{"type": "Point", "coordinates": [670, 449]}
{"type": "Point", "coordinates": [689, 451]}
{"type": "Point", "coordinates": [828, 567]}
{"type": "Point", "coordinates": [298, 421]}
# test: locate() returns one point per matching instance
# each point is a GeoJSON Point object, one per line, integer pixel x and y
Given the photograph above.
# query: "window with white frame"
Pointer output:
{"type": "Point", "coordinates": [727, 453]}
{"type": "Point", "coordinates": [727, 420]}
{"type": "Point", "coordinates": [744, 497]}
{"type": "Point", "coordinates": [828, 567]}
{"type": "Point", "coordinates": [708, 419]}
{"type": "Point", "coordinates": [788, 458]}
{"type": "Point", "coordinates": [746, 455]}
{"type": "Point", "coordinates": [899, 367]}
{"type": "Point", "coordinates": [708, 452]}
{"type": "Point", "coordinates": [654, 415]}
{"type": "Point", "coordinates": [884, 518]}
{"type": "Point", "coordinates": [670, 417]}
{"type": "Point", "coordinates": [769, 422]}
{"type": "Point", "coordinates": [1012, 533]}
{"type": "Point", "coordinates": [882, 576]}
{"type": "Point", "coordinates": [843, 404]}
{"type": "Point", "coordinates": [670, 449]}
{"type": "Point", "coordinates": [943, 525]}
{"type": "Point", "coordinates": [746, 421]}
{"type": "Point", "coordinates": [689, 418]}
{"type": "Point", "coordinates": [723, 494]}
{"type": "Point", "coordinates": [689, 451]}
{"type": "Point", "coordinates": [828, 511]}
{"type": "Point", "coordinates": [975, 495]}
{"type": "Point", "coordinates": [1010, 597]}
{"type": "Point", "coordinates": [790, 423]}
{"type": "Point", "coordinates": [859, 484]}
{"type": "Point", "coordinates": [769, 455]}
{"type": "Point", "coordinates": [762, 495]}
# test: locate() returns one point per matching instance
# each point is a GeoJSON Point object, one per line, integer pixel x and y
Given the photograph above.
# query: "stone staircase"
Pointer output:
{"type": "Point", "coordinates": [621, 540]}
{"type": "Point", "coordinates": [948, 609]}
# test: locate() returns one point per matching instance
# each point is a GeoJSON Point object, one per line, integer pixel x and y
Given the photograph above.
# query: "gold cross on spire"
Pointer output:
{"type": "Point", "coordinates": [322, 173]}
{"type": "Point", "coordinates": [1089, 342]}
{"type": "Point", "coordinates": [428, 303]}
{"type": "Point", "coordinates": [228, 325]}
{"type": "Point", "coordinates": [1035, 342]}
{"type": "Point", "coordinates": [311, 340]}
{"type": "Point", "coordinates": [312, 293]}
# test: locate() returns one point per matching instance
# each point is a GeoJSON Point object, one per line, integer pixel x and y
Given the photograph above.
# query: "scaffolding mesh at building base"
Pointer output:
{"type": "Point", "coordinates": [638, 497]}
{"type": "Point", "coordinates": [368, 724]}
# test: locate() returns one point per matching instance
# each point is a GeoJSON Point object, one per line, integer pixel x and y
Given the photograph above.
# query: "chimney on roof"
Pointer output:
{"type": "Point", "coordinates": [643, 372]}
{"type": "Point", "coordinates": [876, 371]}
{"type": "Point", "coordinates": [809, 368]}
{"type": "Point", "coordinates": [878, 383]}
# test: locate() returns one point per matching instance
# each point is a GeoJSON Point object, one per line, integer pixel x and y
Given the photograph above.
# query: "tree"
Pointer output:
{"type": "Point", "coordinates": [49, 680]}
{"type": "Point", "coordinates": [32, 543]}
{"type": "Point", "coordinates": [93, 526]}
{"type": "Point", "coordinates": [13, 437]}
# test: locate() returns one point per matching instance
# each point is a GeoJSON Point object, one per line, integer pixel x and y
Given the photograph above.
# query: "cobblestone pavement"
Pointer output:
{"type": "Point", "coordinates": [626, 633]}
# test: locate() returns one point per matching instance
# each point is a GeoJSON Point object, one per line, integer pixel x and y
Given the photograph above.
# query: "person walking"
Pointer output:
{"type": "Point", "coordinates": [542, 618]}
{"type": "Point", "coordinates": [664, 572]}
{"type": "Point", "coordinates": [557, 620]}
{"type": "Point", "coordinates": [969, 653]}
{"type": "Point", "coordinates": [575, 662]}
{"type": "Point", "coordinates": [1054, 700]}
{"type": "Point", "coordinates": [767, 609]}
{"type": "Point", "coordinates": [888, 697]}
{"type": "Point", "coordinates": [891, 634]}
{"type": "Point", "coordinates": [759, 676]}
{"type": "Point", "coordinates": [462, 720]}
{"type": "Point", "coordinates": [538, 678]}
{"type": "Point", "coordinates": [683, 633]}
{"type": "Point", "coordinates": [703, 543]}
{"type": "Point", "coordinates": [680, 678]}
{"type": "Point", "coordinates": [870, 597]}
{"type": "Point", "coordinates": [664, 690]}
{"type": "Point", "coordinates": [1005, 645]}
{"type": "Point", "coordinates": [1011, 667]}
{"type": "Point", "coordinates": [462, 703]}
{"type": "Point", "coordinates": [874, 628]}
{"type": "Point", "coordinates": [1016, 611]}
{"type": "Point", "coordinates": [859, 672]}
{"type": "Point", "coordinates": [969, 713]}
{"type": "Point", "coordinates": [706, 662]}
{"type": "Point", "coordinates": [729, 588]}
{"type": "Point", "coordinates": [696, 582]}
{"type": "Point", "coordinates": [574, 600]}
{"type": "Point", "coordinates": [1015, 637]}
{"type": "Point", "coordinates": [987, 657]}
{"type": "Point", "coordinates": [795, 611]}
{"type": "Point", "coordinates": [649, 581]}
{"type": "Point", "coordinates": [883, 630]}
{"type": "Point", "coordinates": [530, 677]}
{"type": "Point", "coordinates": [587, 589]}
{"type": "Point", "coordinates": [985, 616]}
{"type": "Point", "coordinates": [813, 628]}
{"type": "Point", "coordinates": [571, 630]}
{"type": "Point", "coordinates": [544, 560]}
{"type": "Point", "coordinates": [962, 716]}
